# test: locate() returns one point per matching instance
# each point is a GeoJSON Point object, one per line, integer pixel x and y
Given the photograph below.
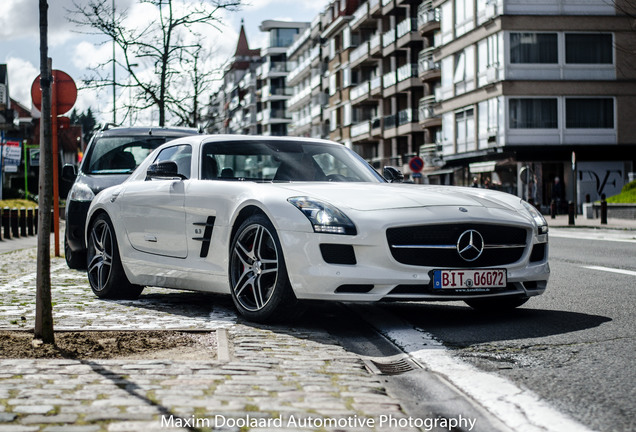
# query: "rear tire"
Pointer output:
{"type": "Point", "coordinates": [260, 286]}
{"type": "Point", "coordinates": [500, 304]}
{"type": "Point", "coordinates": [105, 272]}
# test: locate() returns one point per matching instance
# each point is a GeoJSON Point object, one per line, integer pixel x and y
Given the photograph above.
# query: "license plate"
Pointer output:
{"type": "Point", "coordinates": [458, 279]}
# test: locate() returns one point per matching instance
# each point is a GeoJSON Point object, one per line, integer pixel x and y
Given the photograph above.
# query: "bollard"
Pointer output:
{"type": "Point", "coordinates": [35, 219]}
{"type": "Point", "coordinates": [15, 223]}
{"type": "Point", "coordinates": [603, 212]}
{"type": "Point", "coordinates": [29, 221]}
{"type": "Point", "coordinates": [1, 236]}
{"type": "Point", "coordinates": [553, 209]}
{"type": "Point", "coordinates": [23, 222]}
{"type": "Point", "coordinates": [6, 223]}
{"type": "Point", "coordinates": [571, 213]}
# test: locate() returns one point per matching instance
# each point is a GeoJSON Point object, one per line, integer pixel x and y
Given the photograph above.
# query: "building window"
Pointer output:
{"type": "Point", "coordinates": [533, 113]}
{"type": "Point", "coordinates": [464, 129]}
{"type": "Point", "coordinates": [581, 48]}
{"type": "Point", "coordinates": [589, 113]}
{"type": "Point", "coordinates": [533, 48]}
{"type": "Point", "coordinates": [282, 37]}
{"type": "Point", "coordinates": [464, 15]}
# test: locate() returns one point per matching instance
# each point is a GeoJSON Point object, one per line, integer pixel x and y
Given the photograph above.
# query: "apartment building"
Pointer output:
{"type": "Point", "coordinates": [308, 100]}
{"type": "Point", "coordinates": [527, 92]}
{"type": "Point", "coordinates": [273, 92]}
{"type": "Point", "coordinates": [233, 107]}
{"type": "Point", "coordinates": [370, 90]}
{"type": "Point", "coordinates": [252, 99]}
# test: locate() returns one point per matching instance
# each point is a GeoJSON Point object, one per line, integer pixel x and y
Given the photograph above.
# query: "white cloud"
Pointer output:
{"type": "Point", "coordinates": [21, 76]}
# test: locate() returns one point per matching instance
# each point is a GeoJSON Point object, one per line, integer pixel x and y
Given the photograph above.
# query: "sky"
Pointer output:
{"type": "Point", "coordinates": [72, 51]}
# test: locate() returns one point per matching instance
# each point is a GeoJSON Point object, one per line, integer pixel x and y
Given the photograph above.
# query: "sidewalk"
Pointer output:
{"type": "Point", "coordinates": [289, 376]}
{"type": "Point", "coordinates": [562, 221]}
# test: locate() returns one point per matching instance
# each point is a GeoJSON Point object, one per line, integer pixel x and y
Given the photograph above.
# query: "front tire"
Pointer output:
{"type": "Point", "coordinates": [500, 304]}
{"type": "Point", "coordinates": [105, 272]}
{"type": "Point", "coordinates": [260, 286]}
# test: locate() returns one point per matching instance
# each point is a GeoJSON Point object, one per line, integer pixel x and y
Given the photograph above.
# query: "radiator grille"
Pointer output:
{"type": "Point", "coordinates": [436, 245]}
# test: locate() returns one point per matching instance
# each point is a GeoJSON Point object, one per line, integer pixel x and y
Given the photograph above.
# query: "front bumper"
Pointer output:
{"type": "Point", "coordinates": [375, 275]}
{"type": "Point", "coordinates": [76, 212]}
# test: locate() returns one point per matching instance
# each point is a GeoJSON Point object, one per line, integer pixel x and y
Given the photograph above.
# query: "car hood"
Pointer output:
{"type": "Point", "coordinates": [383, 196]}
{"type": "Point", "coordinates": [98, 183]}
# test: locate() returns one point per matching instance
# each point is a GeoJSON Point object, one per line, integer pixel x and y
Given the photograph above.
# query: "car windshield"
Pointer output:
{"type": "Point", "coordinates": [283, 161]}
{"type": "Point", "coordinates": [119, 155]}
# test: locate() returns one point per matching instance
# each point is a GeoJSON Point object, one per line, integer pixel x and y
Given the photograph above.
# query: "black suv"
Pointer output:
{"type": "Point", "coordinates": [111, 156]}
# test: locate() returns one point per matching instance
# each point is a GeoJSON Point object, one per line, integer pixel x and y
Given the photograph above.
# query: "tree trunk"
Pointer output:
{"type": "Point", "coordinates": [43, 306]}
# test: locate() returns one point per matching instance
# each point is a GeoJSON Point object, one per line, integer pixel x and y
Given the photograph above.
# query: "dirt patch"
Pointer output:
{"type": "Point", "coordinates": [143, 344]}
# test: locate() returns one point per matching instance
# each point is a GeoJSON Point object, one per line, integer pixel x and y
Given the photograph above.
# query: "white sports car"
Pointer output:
{"type": "Point", "coordinates": [273, 221]}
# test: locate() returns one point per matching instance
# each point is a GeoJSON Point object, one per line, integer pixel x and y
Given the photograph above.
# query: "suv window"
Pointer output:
{"type": "Point", "coordinates": [119, 155]}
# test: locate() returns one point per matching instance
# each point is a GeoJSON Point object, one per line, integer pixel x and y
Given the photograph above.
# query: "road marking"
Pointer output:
{"type": "Point", "coordinates": [611, 270]}
{"type": "Point", "coordinates": [518, 408]}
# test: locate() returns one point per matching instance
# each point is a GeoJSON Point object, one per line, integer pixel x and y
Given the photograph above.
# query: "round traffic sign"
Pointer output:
{"type": "Point", "coordinates": [416, 164]}
{"type": "Point", "coordinates": [65, 88]}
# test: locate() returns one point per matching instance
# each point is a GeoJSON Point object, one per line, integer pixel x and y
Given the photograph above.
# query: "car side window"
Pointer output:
{"type": "Point", "coordinates": [180, 154]}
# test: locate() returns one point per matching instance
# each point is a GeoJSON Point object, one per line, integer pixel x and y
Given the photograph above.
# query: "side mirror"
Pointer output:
{"type": "Point", "coordinates": [69, 173]}
{"type": "Point", "coordinates": [164, 170]}
{"type": "Point", "coordinates": [393, 175]}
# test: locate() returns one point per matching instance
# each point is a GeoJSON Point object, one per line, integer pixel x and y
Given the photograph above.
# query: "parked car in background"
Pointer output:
{"type": "Point", "coordinates": [272, 221]}
{"type": "Point", "coordinates": [110, 157]}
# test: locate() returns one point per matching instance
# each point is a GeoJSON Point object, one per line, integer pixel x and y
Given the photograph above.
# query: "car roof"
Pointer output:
{"type": "Point", "coordinates": [148, 130]}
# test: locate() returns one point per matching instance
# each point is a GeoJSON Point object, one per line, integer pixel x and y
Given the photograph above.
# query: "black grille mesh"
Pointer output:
{"type": "Point", "coordinates": [448, 234]}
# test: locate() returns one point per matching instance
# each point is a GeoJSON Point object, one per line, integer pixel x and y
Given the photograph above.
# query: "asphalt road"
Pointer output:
{"type": "Point", "coordinates": [574, 346]}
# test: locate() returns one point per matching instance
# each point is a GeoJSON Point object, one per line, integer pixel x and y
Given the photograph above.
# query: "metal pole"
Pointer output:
{"type": "Point", "coordinates": [56, 180]}
{"type": "Point", "coordinates": [114, 85]}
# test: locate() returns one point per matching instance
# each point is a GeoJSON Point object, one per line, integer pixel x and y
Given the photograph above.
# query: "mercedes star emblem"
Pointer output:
{"type": "Point", "coordinates": [470, 245]}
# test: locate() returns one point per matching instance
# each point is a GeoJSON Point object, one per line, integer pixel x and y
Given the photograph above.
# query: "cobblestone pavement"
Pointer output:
{"type": "Point", "coordinates": [277, 378]}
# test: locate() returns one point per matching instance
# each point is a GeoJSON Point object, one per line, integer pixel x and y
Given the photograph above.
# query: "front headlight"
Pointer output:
{"type": "Point", "coordinates": [81, 192]}
{"type": "Point", "coordinates": [542, 224]}
{"type": "Point", "coordinates": [324, 217]}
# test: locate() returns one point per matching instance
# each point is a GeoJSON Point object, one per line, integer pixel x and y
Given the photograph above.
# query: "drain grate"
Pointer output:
{"type": "Point", "coordinates": [394, 367]}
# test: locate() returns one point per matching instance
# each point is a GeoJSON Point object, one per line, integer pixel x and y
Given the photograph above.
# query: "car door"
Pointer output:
{"type": "Point", "coordinates": [153, 210]}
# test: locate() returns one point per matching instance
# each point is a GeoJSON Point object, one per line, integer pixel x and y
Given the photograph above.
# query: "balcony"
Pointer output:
{"type": "Point", "coordinates": [407, 71]}
{"type": "Point", "coordinates": [389, 79]}
{"type": "Point", "coordinates": [299, 97]}
{"type": "Point", "coordinates": [359, 15]}
{"type": "Point", "coordinates": [429, 68]}
{"type": "Point", "coordinates": [428, 18]}
{"type": "Point", "coordinates": [315, 81]}
{"type": "Point", "coordinates": [360, 53]}
{"type": "Point", "coordinates": [273, 69]}
{"type": "Point", "coordinates": [374, 42]}
{"type": "Point", "coordinates": [359, 91]}
{"type": "Point", "coordinates": [390, 121]}
{"type": "Point", "coordinates": [299, 71]}
{"type": "Point", "coordinates": [406, 26]}
{"type": "Point", "coordinates": [427, 113]}
{"type": "Point", "coordinates": [363, 128]}
{"type": "Point", "coordinates": [388, 38]}
{"type": "Point", "coordinates": [406, 116]}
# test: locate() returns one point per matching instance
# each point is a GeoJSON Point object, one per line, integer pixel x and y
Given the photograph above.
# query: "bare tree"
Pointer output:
{"type": "Point", "coordinates": [196, 81]}
{"type": "Point", "coordinates": [43, 306]}
{"type": "Point", "coordinates": [163, 44]}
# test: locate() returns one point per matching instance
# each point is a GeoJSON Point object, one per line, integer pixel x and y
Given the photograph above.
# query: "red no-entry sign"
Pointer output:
{"type": "Point", "coordinates": [65, 89]}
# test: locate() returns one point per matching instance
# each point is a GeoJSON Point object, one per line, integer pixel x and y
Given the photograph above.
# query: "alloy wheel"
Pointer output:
{"type": "Point", "coordinates": [100, 250]}
{"type": "Point", "coordinates": [254, 267]}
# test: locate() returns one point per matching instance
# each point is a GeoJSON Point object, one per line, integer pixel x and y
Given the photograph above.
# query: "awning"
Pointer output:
{"type": "Point", "coordinates": [438, 172]}
{"type": "Point", "coordinates": [482, 167]}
